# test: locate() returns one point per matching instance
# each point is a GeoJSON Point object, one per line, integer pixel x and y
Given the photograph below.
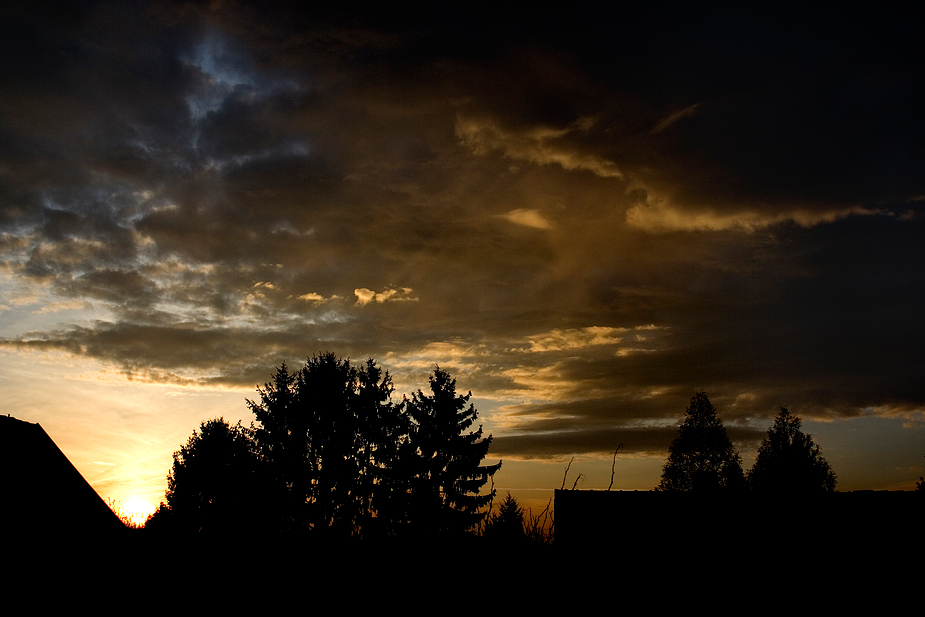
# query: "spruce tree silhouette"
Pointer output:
{"type": "Point", "coordinates": [332, 455]}
{"type": "Point", "coordinates": [331, 435]}
{"type": "Point", "coordinates": [920, 485]}
{"type": "Point", "coordinates": [507, 524]}
{"type": "Point", "coordinates": [701, 458]}
{"type": "Point", "coordinates": [383, 430]}
{"type": "Point", "coordinates": [447, 474]}
{"type": "Point", "coordinates": [326, 387]}
{"type": "Point", "coordinates": [789, 461]}
{"type": "Point", "coordinates": [282, 443]}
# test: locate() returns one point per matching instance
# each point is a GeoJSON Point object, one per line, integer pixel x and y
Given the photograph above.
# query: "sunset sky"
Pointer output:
{"type": "Point", "coordinates": [584, 216]}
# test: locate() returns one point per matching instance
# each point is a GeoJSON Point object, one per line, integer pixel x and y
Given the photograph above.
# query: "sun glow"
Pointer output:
{"type": "Point", "coordinates": [137, 510]}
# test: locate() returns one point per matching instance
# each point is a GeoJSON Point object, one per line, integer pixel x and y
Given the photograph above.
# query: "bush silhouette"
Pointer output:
{"type": "Point", "coordinates": [216, 484]}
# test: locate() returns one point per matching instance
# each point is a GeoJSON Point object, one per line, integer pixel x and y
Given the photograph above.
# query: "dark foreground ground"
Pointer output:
{"type": "Point", "coordinates": [767, 563]}
{"type": "Point", "coordinates": [643, 553]}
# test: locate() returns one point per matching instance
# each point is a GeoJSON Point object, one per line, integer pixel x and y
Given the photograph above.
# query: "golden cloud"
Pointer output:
{"type": "Point", "coordinates": [536, 145]}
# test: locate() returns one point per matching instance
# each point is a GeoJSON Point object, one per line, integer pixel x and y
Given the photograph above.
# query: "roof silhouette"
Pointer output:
{"type": "Point", "coordinates": [42, 491]}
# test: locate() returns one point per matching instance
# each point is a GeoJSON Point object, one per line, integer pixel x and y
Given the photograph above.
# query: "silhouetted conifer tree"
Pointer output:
{"type": "Point", "coordinates": [332, 436]}
{"type": "Point", "coordinates": [507, 524]}
{"type": "Point", "coordinates": [383, 432]}
{"type": "Point", "coordinates": [920, 485]}
{"type": "Point", "coordinates": [701, 458]}
{"type": "Point", "coordinates": [447, 471]}
{"type": "Point", "coordinates": [326, 390]}
{"type": "Point", "coordinates": [281, 441]}
{"type": "Point", "coordinates": [789, 461]}
{"type": "Point", "coordinates": [330, 452]}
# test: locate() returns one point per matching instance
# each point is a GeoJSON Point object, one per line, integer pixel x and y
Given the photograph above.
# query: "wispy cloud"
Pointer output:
{"type": "Point", "coordinates": [537, 145]}
{"type": "Point", "coordinates": [57, 307]}
{"type": "Point", "coordinates": [315, 298]}
{"type": "Point", "coordinates": [576, 338]}
{"type": "Point", "coordinates": [365, 296]}
{"type": "Point", "coordinates": [528, 218]}
{"type": "Point", "coordinates": [674, 117]}
{"type": "Point", "coordinates": [659, 215]}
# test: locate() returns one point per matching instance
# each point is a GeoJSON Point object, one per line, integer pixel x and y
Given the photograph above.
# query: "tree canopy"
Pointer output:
{"type": "Point", "coordinates": [446, 474]}
{"type": "Point", "coordinates": [333, 438]}
{"type": "Point", "coordinates": [701, 458]}
{"type": "Point", "coordinates": [789, 461]}
{"type": "Point", "coordinates": [920, 485]}
{"type": "Point", "coordinates": [331, 453]}
{"type": "Point", "coordinates": [216, 482]}
{"type": "Point", "coordinates": [507, 524]}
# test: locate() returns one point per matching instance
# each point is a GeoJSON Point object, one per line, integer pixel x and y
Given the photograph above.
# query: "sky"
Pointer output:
{"type": "Point", "coordinates": [584, 217]}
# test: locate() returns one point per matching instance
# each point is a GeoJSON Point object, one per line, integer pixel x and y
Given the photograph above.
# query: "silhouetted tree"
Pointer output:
{"type": "Point", "coordinates": [281, 442]}
{"type": "Point", "coordinates": [920, 485]}
{"type": "Point", "coordinates": [383, 442]}
{"type": "Point", "coordinates": [332, 437]}
{"type": "Point", "coordinates": [326, 390]}
{"type": "Point", "coordinates": [507, 524]}
{"type": "Point", "coordinates": [701, 458]}
{"type": "Point", "coordinates": [215, 484]}
{"type": "Point", "coordinates": [447, 474]}
{"type": "Point", "coordinates": [789, 461]}
{"type": "Point", "coordinates": [330, 452]}
{"type": "Point", "coordinates": [161, 520]}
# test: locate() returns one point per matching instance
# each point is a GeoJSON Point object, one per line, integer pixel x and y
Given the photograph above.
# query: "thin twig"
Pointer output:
{"type": "Point", "coordinates": [566, 472]}
{"type": "Point", "coordinates": [614, 465]}
{"type": "Point", "coordinates": [541, 526]}
{"type": "Point", "coordinates": [491, 502]}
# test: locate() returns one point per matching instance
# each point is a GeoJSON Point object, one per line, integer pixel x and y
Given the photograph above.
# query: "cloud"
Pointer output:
{"type": "Point", "coordinates": [725, 212]}
{"type": "Point", "coordinates": [69, 305]}
{"type": "Point", "coordinates": [576, 338]}
{"type": "Point", "coordinates": [24, 300]}
{"type": "Point", "coordinates": [528, 218]}
{"type": "Point", "coordinates": [659, 216]}
{"type": "Point", "coordinates": [365, 296]}
{"type": "Point", "coordinates": [537, 145]}
{"type": "Point", "coordinates": [674, 117]}
{"type": "Point", "coordinates": [315, 298]}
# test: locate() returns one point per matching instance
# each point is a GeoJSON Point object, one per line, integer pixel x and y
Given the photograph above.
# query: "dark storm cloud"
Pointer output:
{"type": "Point", "coordinates": [721, 120]}
{"type": "Point", "coordinates": [558, 443]}
{"type": "Point", "coordinates": [600, 441]}
{"type": "Point", "coordinates": [177, 353]}
{"type": "Point", "coordinates": [586, 225]}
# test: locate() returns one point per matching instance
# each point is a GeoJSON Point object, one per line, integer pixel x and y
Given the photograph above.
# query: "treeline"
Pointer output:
{"type": "Point", "coordinates": [330, 453]}
{"type": "Point", "coordinates": [701, 459]}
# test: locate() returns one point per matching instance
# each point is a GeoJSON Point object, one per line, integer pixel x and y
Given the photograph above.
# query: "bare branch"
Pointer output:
{"type": "Point", "coordinates": [541, 527]}
{"type": "Point", "coordinates": [613, 467]}
{"type": "Point", "coordinates": [566, 472]}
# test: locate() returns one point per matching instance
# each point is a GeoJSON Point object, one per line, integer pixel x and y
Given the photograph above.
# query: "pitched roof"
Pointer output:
{"type": "Point", "coordinates": [42, 491]}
